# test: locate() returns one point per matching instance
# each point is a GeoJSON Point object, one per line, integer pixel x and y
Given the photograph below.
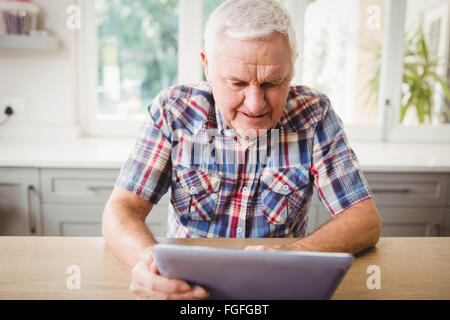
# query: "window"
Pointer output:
{"type": "Point", "coordinates": [137, 54]}
{"type": "Point", "coordinates": [420, 109]}
{"type": "Point", "coordinates": [426, 64]}
{"type": "Point", "coordinates": [364, 54]}
{"type": "Point", "coordinates": [340, 53]}
{"type": "Point", "coordinates": [384, 65]}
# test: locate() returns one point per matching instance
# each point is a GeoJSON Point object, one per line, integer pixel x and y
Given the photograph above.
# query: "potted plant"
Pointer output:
{"type": "Point", "coordinates": [419, 79]}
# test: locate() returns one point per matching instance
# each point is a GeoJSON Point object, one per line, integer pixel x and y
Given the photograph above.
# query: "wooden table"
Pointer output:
{"type": "Point", "coordinates": [36, 268]}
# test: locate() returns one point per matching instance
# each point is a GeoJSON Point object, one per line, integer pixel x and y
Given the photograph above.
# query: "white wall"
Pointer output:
{"type": "Point", "coordinates": [47, 80]}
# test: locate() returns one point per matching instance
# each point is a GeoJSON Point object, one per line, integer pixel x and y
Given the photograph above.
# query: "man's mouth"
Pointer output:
{"type": "Point", "coordinates": [254, 117]}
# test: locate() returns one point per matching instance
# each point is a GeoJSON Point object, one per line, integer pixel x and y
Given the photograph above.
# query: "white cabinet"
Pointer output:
{"type": "Point", "coordinates": [447, 224]}
{"type": "Point", "coordinates": [70, 202]}
{"type": "Point", "coordinates": [72, 220]}
{"type": "Point", "coordinates": [409, 189]}
{"type": "Point", "coordinates": [73, 201]}
{"type": "Point", "coordinates": [410, 204]}
{"type": "Point", "coordinates": [20, 213]}
{"type": "Point", "coordinates": [318, 215]}
{"type": "Point", "coordinates": [412, 222]}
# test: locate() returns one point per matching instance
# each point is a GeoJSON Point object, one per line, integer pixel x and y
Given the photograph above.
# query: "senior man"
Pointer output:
{"type": "Point", "coordinates": [272, 144]}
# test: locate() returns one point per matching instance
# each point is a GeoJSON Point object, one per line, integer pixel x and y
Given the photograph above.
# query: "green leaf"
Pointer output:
{"type": "Point", "coordinates": [404, 108]}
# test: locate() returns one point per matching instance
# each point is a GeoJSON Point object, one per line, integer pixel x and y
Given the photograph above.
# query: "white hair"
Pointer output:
{"type": "Point", "coordinates": [249, 20]}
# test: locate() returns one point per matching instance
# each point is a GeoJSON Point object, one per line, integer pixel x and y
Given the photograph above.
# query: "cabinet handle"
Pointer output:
{"type": "Point", "coordinates": [391, 190]}
{"type": "Point", "coordinates": [30, 211]}
{"type": "Point", "coordinates": [9, 184]}
{"type": "Point", "coordinates": [98, 188]}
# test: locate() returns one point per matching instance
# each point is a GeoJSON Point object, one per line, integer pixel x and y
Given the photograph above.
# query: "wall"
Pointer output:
{"type": "Point", "coordinates": [47, 81]}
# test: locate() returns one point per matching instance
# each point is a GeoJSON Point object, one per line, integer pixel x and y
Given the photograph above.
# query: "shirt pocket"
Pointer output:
{"type": "Point", "coordinates": [196, 193]}
{"type": "Point", "coordinates": [285, 193]}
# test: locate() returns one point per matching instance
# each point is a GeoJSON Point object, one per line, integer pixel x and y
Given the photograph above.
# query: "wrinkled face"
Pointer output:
{"type": "Point", "coordinates": [250, 81]}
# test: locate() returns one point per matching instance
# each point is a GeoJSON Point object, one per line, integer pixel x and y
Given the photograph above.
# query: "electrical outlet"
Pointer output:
{"type": "Point", "coordinates": [17, 104]}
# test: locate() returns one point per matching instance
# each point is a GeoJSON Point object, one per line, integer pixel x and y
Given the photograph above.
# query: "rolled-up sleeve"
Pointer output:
{"type": "Point", "coordinates": [147, 172]}
{"type": "Point", "coordinates": [337, 174]}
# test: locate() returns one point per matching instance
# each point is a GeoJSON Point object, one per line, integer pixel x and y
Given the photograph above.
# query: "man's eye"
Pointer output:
{"type": "Point", "coordinates": [239, 84]}
{"type": "Point", "coordinates": [267, 85]}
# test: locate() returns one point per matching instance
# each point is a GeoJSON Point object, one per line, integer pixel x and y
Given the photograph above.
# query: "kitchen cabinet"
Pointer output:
{"type": "Point", "coordinates": [70, 202]}
{"type": "Point", "coordinates": [20, 213]}
{"type": "Point", "coordinates": [410, 204]}
{"type": "Point", "coordinates": [73, 201]}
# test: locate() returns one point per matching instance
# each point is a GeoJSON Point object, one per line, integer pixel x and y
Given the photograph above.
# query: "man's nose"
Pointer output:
{"type": "Point", "coordinates": [254, 100]}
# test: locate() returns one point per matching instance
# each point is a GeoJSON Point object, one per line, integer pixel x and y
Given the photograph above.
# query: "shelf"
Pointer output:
{"type": "Point", "coordinates": [24, 42]}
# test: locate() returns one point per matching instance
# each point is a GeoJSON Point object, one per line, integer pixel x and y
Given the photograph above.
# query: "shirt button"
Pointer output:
{"type": "Point", "coordinates": [239, 229]}
{"type": "Point", "coordinates": [245, 189]}
{"type": "Point", "coordinates": [286, 187]}
{"type": "Point", "coordinates": [193, 189]}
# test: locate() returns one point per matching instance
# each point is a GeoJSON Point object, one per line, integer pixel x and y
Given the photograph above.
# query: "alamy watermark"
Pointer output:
{"type": "Point", "coordinates": [373, 17]}
{"type": "Point", "coordinates": [374, 280]}
{"type": "Point", "coordinates": [74, 19]}
{"type": "Point", "coordinates": [74, 280]}
{"type": "Point", "coordinates": [214, 147]}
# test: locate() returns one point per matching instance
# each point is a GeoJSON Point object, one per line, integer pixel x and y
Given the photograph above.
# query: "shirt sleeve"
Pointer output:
{"type": "Point", "coordinates": [337, 175]}
{"type": "Point", "coordinates": [148, 170]}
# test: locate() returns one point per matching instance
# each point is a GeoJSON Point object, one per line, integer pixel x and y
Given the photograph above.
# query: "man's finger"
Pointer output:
{"type": "Point", "coordinates": [196, 293]}
{"type": "Point", "coordinates": [153, 268]}
{"type": "Point", "coordinates": [169, 285]}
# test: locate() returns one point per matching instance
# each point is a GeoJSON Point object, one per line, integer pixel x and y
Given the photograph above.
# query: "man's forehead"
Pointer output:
{"type": "Point", "coordinates": [240, 70]}
{"type": "Point", "coordinates": [268, 78]}
{"type": "Point", "coordinates": [271, 51]}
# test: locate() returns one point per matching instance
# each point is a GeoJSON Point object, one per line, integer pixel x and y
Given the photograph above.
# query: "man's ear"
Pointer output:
{"type": "Point", "coordinates": [205, 63]}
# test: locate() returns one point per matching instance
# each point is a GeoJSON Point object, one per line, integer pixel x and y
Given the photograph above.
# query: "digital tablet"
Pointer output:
{"type": "Point", "coordinates": [230, 274]}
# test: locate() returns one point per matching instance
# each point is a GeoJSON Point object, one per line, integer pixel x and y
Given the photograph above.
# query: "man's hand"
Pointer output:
{"type": "Point", "coordinates": [147, 283]}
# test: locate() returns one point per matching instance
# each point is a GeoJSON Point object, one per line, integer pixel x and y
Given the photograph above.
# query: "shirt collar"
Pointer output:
{"type": "Point", "coordinates": [221, 125]}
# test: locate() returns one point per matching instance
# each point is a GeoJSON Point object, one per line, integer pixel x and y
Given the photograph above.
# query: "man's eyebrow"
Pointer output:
{"type": "Point", "coordinates": [233, 78]}
{"type": "Point", "coordinates": [275, 79]}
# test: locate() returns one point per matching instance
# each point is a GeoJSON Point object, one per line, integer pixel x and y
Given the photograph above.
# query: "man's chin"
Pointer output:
{"type": "Point", "coordinates": [252, 132]}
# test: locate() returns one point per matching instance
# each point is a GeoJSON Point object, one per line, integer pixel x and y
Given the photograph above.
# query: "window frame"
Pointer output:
{"type": "Point", "coordinates": [189, 70]}
{"type": "Point", "coordinates": [189, 67]}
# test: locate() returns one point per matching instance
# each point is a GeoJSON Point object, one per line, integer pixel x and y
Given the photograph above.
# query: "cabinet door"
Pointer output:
{"type": "Point", "coordinates": [93, 186]}
{"type": "Point", "coordinates": [312, 219]}
{"type": "Point", "coordinates": [19, 202]}
{"type": "Point", "coordinates": [409, 189]}
{"type": "Point", "coordinates": [86, 221]}
{"type": "Point", "coordinates": [446, 231]}
{"type": "Point", "coordinates": [317, 214]}
{"type": "Point", "coordinates": [74, 201]}
{"type": "Point", "coordinates": [157, 219]}
{"type": "Point", "coordinates": [72, 221]}
{"type": "Point", "coordinates": [412, 222]}
{"type": "Point", "coordinates": [396, 222]}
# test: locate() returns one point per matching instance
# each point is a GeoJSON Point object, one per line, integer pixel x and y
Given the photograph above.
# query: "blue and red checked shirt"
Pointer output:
{"type": "Point", "coordinates": [226, 186]}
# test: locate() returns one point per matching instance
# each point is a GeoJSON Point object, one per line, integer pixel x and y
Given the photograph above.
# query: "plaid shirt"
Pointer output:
{"type": "Point", "coordinates": [225, 186]}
